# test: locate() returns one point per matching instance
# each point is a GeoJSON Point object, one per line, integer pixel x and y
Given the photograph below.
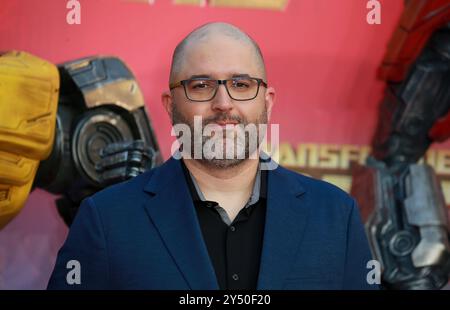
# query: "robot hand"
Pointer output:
{"type": "Point", "coordinates": [118, 162]}
{"type": "Point", "coordinates": [123, 160]}
{"type": "Point", "coordinates": [406, 223]}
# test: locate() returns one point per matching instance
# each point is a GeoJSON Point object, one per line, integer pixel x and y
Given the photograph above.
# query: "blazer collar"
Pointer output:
{"type": "Point", "coordinates": [286, 218]}
{"type": "Point", "coordinates": [171, 210]}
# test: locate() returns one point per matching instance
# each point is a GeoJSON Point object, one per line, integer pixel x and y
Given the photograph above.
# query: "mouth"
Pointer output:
{"type": "Point", "coordinates": [225, 123]}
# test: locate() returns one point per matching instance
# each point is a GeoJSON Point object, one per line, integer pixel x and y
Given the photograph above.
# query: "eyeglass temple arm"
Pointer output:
{"type": "Point", "coordinates": [174, 85]}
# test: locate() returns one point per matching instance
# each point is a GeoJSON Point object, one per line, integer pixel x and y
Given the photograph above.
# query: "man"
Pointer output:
{"type": "Point", "coordinates": [211, 220]}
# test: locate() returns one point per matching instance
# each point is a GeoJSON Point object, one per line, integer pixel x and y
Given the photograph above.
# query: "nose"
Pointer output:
{"type": "Point", "coordinates": [222, 101]}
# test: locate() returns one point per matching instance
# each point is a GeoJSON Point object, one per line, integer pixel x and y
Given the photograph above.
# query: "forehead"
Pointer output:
{"type": "Point", "coordinates": [219, 57]}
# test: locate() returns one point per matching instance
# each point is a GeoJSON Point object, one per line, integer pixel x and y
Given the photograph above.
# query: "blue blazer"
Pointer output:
{"type": "Point", "coordinates": [144, 234]}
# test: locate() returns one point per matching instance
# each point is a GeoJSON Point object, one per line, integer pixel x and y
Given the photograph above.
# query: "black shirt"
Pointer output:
{"type": "Point", "coordinates": [234, 248]}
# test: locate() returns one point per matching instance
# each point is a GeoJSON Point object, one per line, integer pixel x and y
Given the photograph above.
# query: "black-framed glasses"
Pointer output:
{"type": "Point", "coordinates": [205, 89]}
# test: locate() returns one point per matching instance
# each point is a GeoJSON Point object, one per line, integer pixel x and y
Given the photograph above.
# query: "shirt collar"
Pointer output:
{"type": "Point", "coordinates": [259, 187]}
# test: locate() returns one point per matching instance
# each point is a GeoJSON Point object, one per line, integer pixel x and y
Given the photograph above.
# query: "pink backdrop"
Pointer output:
{"type": "Point", "coordinates": [321, 57]}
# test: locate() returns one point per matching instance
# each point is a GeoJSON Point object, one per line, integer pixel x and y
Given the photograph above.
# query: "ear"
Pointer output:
{"type": "Point", "coordinates": [167, 101]}
{"type": "Point", "coordinates": [270, 101]}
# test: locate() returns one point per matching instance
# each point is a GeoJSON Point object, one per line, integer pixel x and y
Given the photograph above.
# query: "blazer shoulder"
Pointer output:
{"type": "Point", "coordinates": [126, 191]}
{"type": "Point", "coordinates": [319, 189]}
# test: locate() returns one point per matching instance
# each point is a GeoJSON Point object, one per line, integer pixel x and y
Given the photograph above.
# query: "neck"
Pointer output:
{"type": "Point", "coordinates": [226, 180]}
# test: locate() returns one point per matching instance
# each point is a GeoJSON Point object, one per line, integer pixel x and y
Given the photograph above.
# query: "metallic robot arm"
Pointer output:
{"type": "Point", "coordinates": [406, 224]}
{"type": "Point", "coordinates": [402, 201]}
{"type": "Point", "coordinates": [99, 130]}
{"type": "Point", "coordinates": [100, 104]}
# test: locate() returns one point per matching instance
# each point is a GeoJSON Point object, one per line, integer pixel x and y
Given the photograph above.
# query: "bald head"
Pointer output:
{"type": "Point", "coordinates": [206, 33]}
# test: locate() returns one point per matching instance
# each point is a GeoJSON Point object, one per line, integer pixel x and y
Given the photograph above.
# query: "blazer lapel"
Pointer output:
{"type": "Point", "coordinates": [285, 223]}
{"type": "Point", "coordinates": [170, 208]}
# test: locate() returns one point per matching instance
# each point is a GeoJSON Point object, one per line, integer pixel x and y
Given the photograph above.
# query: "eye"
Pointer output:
{"type": "Point", "coordinates": [241, 84]}
{"type": "Point", "coordinates": [200, 85]}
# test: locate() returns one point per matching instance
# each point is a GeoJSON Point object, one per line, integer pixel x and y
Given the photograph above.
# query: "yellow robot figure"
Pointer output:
{"type": "Point", "coordinates": [29, 89]}
{"type": "Point", "coordinates": [70, 129]}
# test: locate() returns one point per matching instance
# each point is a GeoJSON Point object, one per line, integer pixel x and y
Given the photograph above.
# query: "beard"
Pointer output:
{"type": "Point", "coordinates": [237, 146]}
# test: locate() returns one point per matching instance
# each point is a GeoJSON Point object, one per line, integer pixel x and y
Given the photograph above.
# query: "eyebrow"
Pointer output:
{"type": "Point", "coordinates": [207, 76]}
{"type": "Point", "coordinates": [240, 75]}
{"type": "Point", "coordinates": [199, 76]}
